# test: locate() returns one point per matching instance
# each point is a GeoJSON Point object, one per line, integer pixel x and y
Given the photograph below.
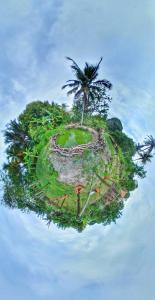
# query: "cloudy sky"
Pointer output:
{"type": "Point", "coordinates": [116, 262]}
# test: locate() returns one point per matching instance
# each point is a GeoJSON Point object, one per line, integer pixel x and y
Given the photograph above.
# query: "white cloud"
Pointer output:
{"type": "Point", "coordinates": [34, 41]}
{"type": "Point", "coordinates": [114, 256]}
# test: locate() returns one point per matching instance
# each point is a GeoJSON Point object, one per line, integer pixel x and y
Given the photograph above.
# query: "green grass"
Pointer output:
{"type": "Point", "coordinates": [53, 189]}
{"type": "Point", "coordinates": [73, 137]}
{"type": "Point", "coordinates": [48, 177]}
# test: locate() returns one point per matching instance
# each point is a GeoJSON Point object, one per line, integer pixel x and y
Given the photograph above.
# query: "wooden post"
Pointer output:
{"type": "Point", "coordinates": [78, 204]}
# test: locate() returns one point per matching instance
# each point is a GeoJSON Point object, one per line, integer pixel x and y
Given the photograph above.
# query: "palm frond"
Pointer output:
{"type": "Point", "coordinates": [78, 94]}
{"type": "Point", "coordinates": [72, 91]}
{"type": "Point", "coordinates": [78, 72]}
{"type": "Point", "coordinates": [90, 72]}
{"type": "Point", "coordinates": [104, 82]}
{"type": "Point", "coordinates": [70, 85]}
{"type": "Point", "coordinates": [97, 67]}
{"type": "Point", "coordinates": [92, 95]}
{"type": "Point", "coordinates": [64, 86]}
{"type": "Point", "coordinates": [145, 157]}
{"type": "Point", "coordinates": [149, 140]}
{"type": "Point", "coordinates": [73, 61]}
{"type": "Point", "coordinates": [74, 81]}
{"type": "Point", "coordinates": [96, 88]}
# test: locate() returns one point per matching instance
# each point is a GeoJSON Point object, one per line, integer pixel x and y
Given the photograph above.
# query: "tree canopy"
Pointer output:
{"type": "Point", "coordinates": [86, 89]}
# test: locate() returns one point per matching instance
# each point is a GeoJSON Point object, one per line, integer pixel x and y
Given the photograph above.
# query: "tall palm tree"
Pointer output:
{"type": "Point", "coordinates": [148, 144]}
{"type": "Point", "coordinates": [145, 157]}
{"type": "Point", "coordinates": [85, 85]}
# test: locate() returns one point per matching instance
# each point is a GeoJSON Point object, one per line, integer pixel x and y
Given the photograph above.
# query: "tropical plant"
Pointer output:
{"type": "Point", "coordinates": [15, 134]}
{"type": "Point", "coordinates": [85, 85]}
{"type": "Point", "coordinates": [99, 105]}
{"type": "Point", "coordinates": [114, 124]}
{"type": "Point", "coordinates": [144, 157]}
{"type": "Point", "coordinates": [124, 142]}
{"type": "Point", "coordinates": [148, 144]}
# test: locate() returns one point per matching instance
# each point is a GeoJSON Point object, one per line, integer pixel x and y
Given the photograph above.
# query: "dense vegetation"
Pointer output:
{"type": "Point", "coordinates": [30, 180]}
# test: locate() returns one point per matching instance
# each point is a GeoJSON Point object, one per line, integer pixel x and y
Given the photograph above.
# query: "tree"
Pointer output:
{"type": "Point", "coordinates": [145, 157]}
{"type": "Point", "coordinates": [100, 104]}
{"type": "Point", "coordinates": [36, 110]}
{"type": "Point", "coordinates": [15, 134]}
{"type": "Point", "coordinates": [114, 124]}
{"type": "Point", "coordinates": [17, 138]}
{"type": "Point", "coordinates": [18, 133]}
{"type": "Point", "coordinates": [85, 85]}
{"type": "Point", "coordinates": [148, 144]}
{"type": "Point", "coordinates": [144, 150]}
{"type": "Point", "coordinates": [124, 142]}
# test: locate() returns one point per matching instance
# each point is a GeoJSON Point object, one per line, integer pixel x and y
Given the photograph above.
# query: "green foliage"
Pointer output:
{"type": "Point", "coordinates": [32, 184]}
{"type": "Point", "coordinates": [106, 214]}
{"type": "Point", "coordinates": [124, 142]}
{"type": "Point", "coordinates": [30, 132]}
{"type": "Point", "coordinates": [98, 105]}
{"type": "Point", "coordinates": [48, 178]}
{"type": "Point", "coordinates": [139, 170]}
{"type": "Point", "coordinates": [37, 110]}
{"type": "Point", "coordinates": [114, 124]}
{"type": "Point", "coordinates": [96, 122]}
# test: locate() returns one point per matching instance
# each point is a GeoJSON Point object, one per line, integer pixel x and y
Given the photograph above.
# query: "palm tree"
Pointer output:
{"type": "Point", "coordinates": [15, 134]}
{"type": "Point", "coordinates": [148, 144]}
{"type": "Point", "coordinates": [17, 139]}
{"type": "Point", "coordinates": [139, 147]}
{"type": "Point", "coordinates": [85, 85]}
{"type": "Point", "coordinates": [145, 157]}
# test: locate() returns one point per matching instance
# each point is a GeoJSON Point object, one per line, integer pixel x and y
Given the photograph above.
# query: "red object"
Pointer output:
{"type": "Point", "coordinates": [79, 188]}
{"type": "Point", "coordinates": [97, 190]}
{"type": "Point", "coordinates": [106, 177]}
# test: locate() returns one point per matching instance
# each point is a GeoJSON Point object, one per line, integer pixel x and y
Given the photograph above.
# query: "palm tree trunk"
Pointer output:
{"type": "Point", "coordinates": [84, 104]}
{"type": "Point", "coordinates": [82, 116]}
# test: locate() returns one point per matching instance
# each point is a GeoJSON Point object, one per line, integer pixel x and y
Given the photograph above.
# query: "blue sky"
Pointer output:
{"type": "Point", "coordinates": [116, 262]}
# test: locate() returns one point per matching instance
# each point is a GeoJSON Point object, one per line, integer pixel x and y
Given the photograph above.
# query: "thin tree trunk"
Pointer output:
{"type": "Point", "coordinates": [85, 100]}
{"type": "Point", "coordinates": [78, 205]}
{"type": "Point", "coordinates": [82, 116]}
{"type": "Point", "coordinates": [87, 201]}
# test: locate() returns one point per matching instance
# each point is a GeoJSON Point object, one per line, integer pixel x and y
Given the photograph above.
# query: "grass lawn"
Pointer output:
{"type": "Point", "coordinates": [73, 137]}
{"type": "Point", "coordinates": [48, 177]}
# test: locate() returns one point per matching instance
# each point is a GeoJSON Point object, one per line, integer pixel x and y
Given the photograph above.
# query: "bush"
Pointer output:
{"type": "Point", "coordinates": [124, 142]}
{"type": "Point", "coordinates": [114, 124]}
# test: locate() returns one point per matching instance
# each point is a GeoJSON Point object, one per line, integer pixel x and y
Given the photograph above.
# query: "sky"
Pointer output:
{"type": "Point", "coordinates": [112, 262]}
